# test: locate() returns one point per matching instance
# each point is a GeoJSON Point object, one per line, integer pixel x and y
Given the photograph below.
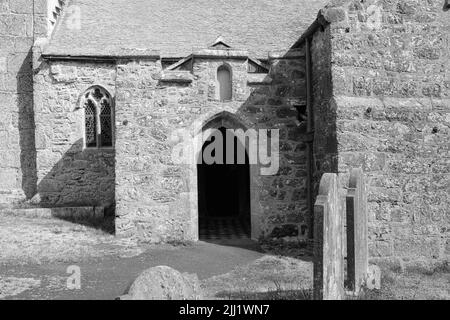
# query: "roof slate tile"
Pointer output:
{"type": "Point", "coordinates": [175, 27]}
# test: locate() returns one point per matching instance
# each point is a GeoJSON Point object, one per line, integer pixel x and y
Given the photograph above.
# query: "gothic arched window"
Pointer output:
{"type": "Point", "coordinates": [98, 115]}
{"type": "Point", "coordinates": [225, 83]}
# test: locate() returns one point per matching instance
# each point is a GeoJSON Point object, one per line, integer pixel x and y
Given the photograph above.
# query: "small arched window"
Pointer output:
{"type": "Point", "coordinates": [225, 83]}
{"type": "Point", "coordinates": [98, 111]}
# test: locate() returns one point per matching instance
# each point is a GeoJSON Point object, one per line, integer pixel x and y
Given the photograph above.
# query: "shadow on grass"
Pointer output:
{"type": "Point", "coordinates": [247, 244]}
{"type": "Point", "coordinates": [303, 294]}
{"type": "Point", "coordinates": [107, 224]}
{"type": "Point", "coordinates": [301, 250]}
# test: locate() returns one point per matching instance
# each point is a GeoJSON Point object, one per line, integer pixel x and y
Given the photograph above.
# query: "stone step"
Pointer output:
{"type": "Point", "coordinates": [69, 213]}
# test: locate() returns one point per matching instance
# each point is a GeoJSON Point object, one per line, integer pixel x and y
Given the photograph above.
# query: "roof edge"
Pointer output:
{"type": "Point", "coordinates": [331, 13]}
{"type": "Point", "coordinates": [47, 56]}
{"type": "Point", "coordinates": [320, 23]}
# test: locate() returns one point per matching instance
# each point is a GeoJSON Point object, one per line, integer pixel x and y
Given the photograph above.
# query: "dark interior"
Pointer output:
{"type": "Point", "coordinates": [224, 189]}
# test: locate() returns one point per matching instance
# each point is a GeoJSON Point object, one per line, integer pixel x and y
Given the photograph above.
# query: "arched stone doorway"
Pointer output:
{"type": "Point", "coordinates": [226, 120]}
{"type": "Point", "coordinates": [225, 191]}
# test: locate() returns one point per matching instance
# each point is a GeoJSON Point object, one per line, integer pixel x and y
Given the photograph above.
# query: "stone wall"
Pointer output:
{"type": "Point", "coordinates": [390, 109]}
{"type": "Point", "coordinates": [324, 113]}
{"type": "Point", "coordinates": [286, 207]}
{"type": "Point", "coordinates": [157, 198]}
{"type": "Point", "coordinates": [19, 25]}
{"type": "Point", "coordinates": [68, 173]}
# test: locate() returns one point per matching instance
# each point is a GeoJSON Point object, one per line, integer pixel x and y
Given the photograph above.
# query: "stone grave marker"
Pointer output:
{"type": "Point", "coordinates": [357, 249]}
{"type": "Point", "coordinates": [328, 241]}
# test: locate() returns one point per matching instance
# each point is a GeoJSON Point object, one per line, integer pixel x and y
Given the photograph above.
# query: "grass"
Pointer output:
{"type": "Point", "coordinates": [280, 293]}
{"type": "Point", "coordinates": [269, 295]}
{"type": "Point", "coordinates": [105, 225]}
{"type": "Point", "coordinates": [413, 284]}
{"type": "Point", "coordinates": [37, 241]}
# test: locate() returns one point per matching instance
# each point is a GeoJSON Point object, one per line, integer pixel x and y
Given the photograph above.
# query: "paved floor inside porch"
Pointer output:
{"type": "Point", "coordinates": [224, 229]}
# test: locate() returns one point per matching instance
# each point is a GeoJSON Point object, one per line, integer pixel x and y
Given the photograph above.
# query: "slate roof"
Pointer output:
{"type": "Point", "coordinates": [176, 27]}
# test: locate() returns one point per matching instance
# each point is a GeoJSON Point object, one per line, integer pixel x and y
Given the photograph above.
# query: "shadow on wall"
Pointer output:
{"type": "Point", "coordinates": [322, 105]}
{"type": "Point", "coordinates": [26, 126]}
{"type": "Point", "coordinates": [298, 101]}
{"type": "Point", "coordinates": [81, 178]}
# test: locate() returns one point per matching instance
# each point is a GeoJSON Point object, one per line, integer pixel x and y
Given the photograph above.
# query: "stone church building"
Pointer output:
{"type": "Point", "coordinates": [94, 96]}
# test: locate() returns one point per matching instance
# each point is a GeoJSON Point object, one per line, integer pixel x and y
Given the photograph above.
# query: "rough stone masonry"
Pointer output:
{"type": "Point", "coordinates": [366, 85]}
{"type": "Point", "coordinates": [20, 23]}
{"type": "Point", "coordinates": [381, 101]}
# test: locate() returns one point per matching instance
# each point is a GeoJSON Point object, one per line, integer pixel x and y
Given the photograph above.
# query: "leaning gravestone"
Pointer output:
{"type": "Point", "coordinates": [164, 283]}
{"type": "Point", "coordinates": [328, 241]}
{"type": "Point", "coordinates": [357, 250]}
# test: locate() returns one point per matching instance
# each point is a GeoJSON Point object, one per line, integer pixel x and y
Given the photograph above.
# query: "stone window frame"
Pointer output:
{"type": "Point", "coordinates": [98, 122]}
{"type": "Point", "coordinates": [230, 70]}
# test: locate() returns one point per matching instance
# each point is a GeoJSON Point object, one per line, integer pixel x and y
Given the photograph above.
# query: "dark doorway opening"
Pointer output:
{"type": "Point", "coordinates": [224, 194]}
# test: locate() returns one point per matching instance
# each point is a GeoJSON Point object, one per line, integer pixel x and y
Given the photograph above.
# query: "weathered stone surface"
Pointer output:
{"type": "Point", "coordinates": [357, 248]}
{"type": "Point", "coordinates": [156, 209]}
{"type": "Point", "coordinates": [17, 27]}
{"type": "Point", "coordinates": [328, 241]}
{"type": "Point", "coordinates": [380, 101]}
{"type": "Point", "coordinates": [3, 65]}
{"type": "Point", "coordinates": [176, 76]}
{"type": "Point", "coordinates": [285, 231]}
{"type": "Point", "coordinates": [373, 280]}
{"type": "Point", "coordinates": [164, 283]}
{"type": "Point", "coordinates": [67, 172]}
